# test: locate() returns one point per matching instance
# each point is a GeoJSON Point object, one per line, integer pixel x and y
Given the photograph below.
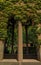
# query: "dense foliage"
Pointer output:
{"type": "Point", "coordinates": [21, 10]}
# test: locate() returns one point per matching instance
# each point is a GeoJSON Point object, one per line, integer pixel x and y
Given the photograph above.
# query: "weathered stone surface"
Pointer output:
{"type": "Point", "coordinates": [23, 63]}
{"type": "Point", "coordinates": [1, 49]}
{"type": "Point", "coordinates": [20, 42]}
{"type": "Point", "coordinates": [40, 52]}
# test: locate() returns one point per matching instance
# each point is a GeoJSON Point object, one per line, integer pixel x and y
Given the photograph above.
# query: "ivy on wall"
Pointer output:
{"type": "Point", "coordinates": [21, 10]}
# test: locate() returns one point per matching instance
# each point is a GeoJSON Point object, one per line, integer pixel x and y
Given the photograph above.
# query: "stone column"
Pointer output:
{"type": "Point", "coordinates": [39, 46]}
{"type": "Point", "coordinates": [1, 49]}
{"type": "Point", "coordinates": [40, 52]}
{"type": "Point", "coordinates": [39, 49]}
{"type": "Point", "coordinates": [20, 43]}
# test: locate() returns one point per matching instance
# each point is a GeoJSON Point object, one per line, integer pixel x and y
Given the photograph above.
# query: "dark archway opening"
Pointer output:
{"type": "Point", "coordinates": [10, 51]}
{"type": "Point", "coordinates": [29, 49]}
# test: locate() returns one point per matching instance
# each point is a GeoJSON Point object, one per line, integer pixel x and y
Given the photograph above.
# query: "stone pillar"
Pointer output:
{"type": "Point", "coordinates": [40, 52]}
{"type": "Point", "coordinates": [20, 43]}
{"type": "Point", "coordinates": [39, 49]}
{"type": "Point", "coordinates": [1, 49]}
{"type": "Point", "coordinates": [39, 46]}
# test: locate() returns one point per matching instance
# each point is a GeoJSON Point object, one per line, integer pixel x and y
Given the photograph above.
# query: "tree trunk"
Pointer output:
{"type": "Point", "coordinates": [26, 40]}
{"type": "Point", "coordinates": [12, 39]}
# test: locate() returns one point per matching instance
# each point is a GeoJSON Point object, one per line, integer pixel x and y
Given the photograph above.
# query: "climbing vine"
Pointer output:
{"type": "Point", "coordinates": [21, 10]}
